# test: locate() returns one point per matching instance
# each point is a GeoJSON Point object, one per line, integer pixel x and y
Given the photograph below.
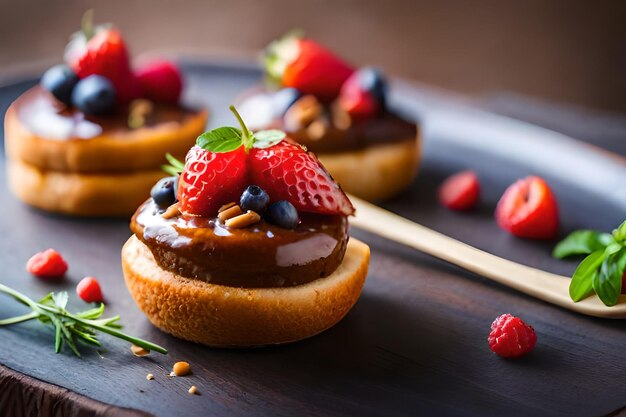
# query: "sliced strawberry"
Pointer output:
{"type": "Point", "coordinates": [160, 81]}
{"type": "Point", "coordinates": [210, 180]}
{"type": "Point", "coordinates": [105, 54]}
{"type": "Point", "coordinates": [307, 66]}
{"type": "Point", "coordinates": [460, 191]}
{"type": "Point", "coordinates": [287, 172]}
{"type": "Point", "coordinates": [528, 209]}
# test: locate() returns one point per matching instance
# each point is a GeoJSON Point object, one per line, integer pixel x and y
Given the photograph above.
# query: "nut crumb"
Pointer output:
{"type": "Point", "coordinates": [172, 211]}
{"type": "Point", "coordinates": [193, 390]}
{"type": "Point", "coordinates": [181, 369]}
{"type": "Point", "coordinates": [139, 351]}
{"type": "Point", "coordinates": [149, 377]}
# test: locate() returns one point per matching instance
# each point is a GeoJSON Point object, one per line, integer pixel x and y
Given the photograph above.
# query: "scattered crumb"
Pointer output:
{"type": "Point", "coordinates": [149, 377]}
{"type": "Point", "coordinates": [181, 369]}
{"type": "Point", "coordinates": [193, 390]}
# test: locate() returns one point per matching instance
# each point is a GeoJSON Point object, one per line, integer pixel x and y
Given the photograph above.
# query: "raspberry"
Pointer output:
{"type": "Point", "coordinates": [88, 289]}
{"type": "Point", "coordinates": [48, 264]}
{"type": "Point", "coordinates": [510, 337]}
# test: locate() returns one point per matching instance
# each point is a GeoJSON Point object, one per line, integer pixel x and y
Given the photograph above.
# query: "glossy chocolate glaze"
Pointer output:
{"type": "Point", "coordinates": [46, 117]}
{"type": "Point", "coordinates": [258, 256]}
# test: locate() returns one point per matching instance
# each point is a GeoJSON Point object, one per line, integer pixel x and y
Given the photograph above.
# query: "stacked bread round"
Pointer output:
{"type": "Point", "coordinates": [107, 174]}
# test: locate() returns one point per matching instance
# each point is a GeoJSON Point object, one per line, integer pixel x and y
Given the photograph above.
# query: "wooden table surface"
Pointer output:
{"type": "Point", "coordinates": [415, 343]}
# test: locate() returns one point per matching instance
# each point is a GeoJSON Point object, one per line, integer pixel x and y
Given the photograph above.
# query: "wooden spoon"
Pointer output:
{"type": "Point", "coordinates": [544, 285]}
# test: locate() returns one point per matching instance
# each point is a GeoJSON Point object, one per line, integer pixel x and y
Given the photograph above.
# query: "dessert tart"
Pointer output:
{"type": "Point", "coordinates": [340, 114]}
{"type": "Point", "coordinates": [89, 139]}
{"type": "Point", "coordinates": [249, 246]}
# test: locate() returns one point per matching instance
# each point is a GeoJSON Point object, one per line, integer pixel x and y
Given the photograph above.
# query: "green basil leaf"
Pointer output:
{"type": "Point", "coordinates": [612, 248]}
{"type": "Point", "coordinates": [620, 233]}
{"type": "Point", "coordinates": [267, 138]}
{"type": "Point", "coordinates": [581, 242]}
{"type": "Point", "coordinates": [222, 139]}
{"type": "Point", "coordinates": [581, 284]}
{"type": "Point", "coordinates": [607, 283]}
{"type": "Point", "coordinates": [168, 169]}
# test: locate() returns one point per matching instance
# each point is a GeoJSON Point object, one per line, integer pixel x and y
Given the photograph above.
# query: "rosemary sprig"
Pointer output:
{"type": "Point", "coordinates": [70, 328]}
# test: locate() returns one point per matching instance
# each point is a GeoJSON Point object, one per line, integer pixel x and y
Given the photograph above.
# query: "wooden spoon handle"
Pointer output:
{"type": "Point", "coordinates": [546, 286]}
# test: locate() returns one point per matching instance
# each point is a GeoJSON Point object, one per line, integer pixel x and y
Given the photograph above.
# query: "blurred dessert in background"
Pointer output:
{"type": "Point", "coordinates": [340, 114]}
{"type": "Point", "coordinates": [90, 138]}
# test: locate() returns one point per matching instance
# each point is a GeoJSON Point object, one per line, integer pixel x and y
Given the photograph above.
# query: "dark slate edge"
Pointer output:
{"type": "Point", "coordinates": [24, 396]}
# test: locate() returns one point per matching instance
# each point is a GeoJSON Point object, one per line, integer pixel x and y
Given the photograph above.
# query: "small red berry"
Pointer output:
{"type": "Point", "coordinates": [528, 209]}
{"type": "Point", "coordinates": [88, 289]}
{"type": "Point", "coordinates": [160, 81]}
{"type": "Point", "coordinates": [510, 337]}
{"type": "Point", "coordinates": [48, 264]}
{"type": "Point", "coordinates": [460, 191]}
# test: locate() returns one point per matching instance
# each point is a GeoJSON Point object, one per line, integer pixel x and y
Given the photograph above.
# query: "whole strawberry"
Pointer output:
{"type": "Point", "coordinates": [160, 81]}
{"type": "Point", "coordinates": [227, 159]}
{"type": "Point", "coordinates": [102, 51]}
{"type": "Point", "coordinates": [307, 66]}
{"type": "Point", "coordinates": [510, 337]}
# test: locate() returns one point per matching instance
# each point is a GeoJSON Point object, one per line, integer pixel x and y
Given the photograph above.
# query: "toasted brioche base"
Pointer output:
{"type": "Point", "coordinates": [81, 194]}
{"type": "Point", "coordinates": [124, 150]}
{"type": "Point", "coordinates": [377, 172]}
{"type": "Point", "coordinates": [222, 316]}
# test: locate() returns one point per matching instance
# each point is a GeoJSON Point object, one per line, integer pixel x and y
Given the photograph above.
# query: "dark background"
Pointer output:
{"type": "Point", "coordinates": [562, 51]}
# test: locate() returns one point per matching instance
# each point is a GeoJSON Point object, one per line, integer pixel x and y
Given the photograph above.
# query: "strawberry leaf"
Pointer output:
{"type": "Point", "coordinates": [268, 138]}
{"type": "Point", "coordinates": [222, 139]}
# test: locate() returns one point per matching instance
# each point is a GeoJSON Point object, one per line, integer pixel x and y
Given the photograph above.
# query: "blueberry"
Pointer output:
{"type": "Point", "coordinates": [254, 198]}
{"type": "Point", "coordinates": [283, 99]}
{"type": "Point", "coordinates": [282, 214]}
{"type": "Point", "coordinates": [164, 192]}
{"type": "Point", "coordinates": [60, 81]}
{"type": "Point", "coordinates": [94, 95]}
{"type": "Point", "coordinates": [372, 80]}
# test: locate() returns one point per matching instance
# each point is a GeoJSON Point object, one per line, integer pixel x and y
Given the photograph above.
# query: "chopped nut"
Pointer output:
{"type": "Point", "coordinates": [138, 350]}
{"type": "Point", "coordinates": [244, 220]}
{"type": "Point", "coordinates": [193, 390]}
{"type": "Point", "coordinates": [140, 109]}
{"type": "Point", "coordinates": [226, 206]}
{"type": "Point", "coordinates": [181, 368]}
{"type": "Point", "coordinates": [149, 377]}
{"type": "Point", "coordinates": [229, 213]}
{"type": "Point", "coordinates": [316, 130]}
{"type": "Point", "coordinates": [172, 211]}
{"type": "Point", "coordinates": [303, 112]}
{"type": "Point", "coordinates": [340, 117]}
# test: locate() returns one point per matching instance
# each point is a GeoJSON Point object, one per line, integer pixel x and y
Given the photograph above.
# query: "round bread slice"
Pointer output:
{"type": "Point", "coordinates": [377, 172]}
{"type": "Point", "coordinates": [104, 194]}
{"type": "Point", "coordinates": [116, 149]}
{"type": "Point", "coordinates": [222, 316]}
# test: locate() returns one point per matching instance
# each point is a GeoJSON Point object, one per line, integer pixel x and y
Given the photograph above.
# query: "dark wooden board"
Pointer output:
{"type": "Point", "coordinates": [415, 343]}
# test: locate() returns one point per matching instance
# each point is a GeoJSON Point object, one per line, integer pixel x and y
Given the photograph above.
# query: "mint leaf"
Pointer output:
{"type": "Point", "coordinates": [582, 280]}
{"type": "Point", "coordinates": [581, 242]}
{"type": "Point", "coordinates": [222, 139]}
{"type": "Point", "coordinates": [607, 283]}
{"type": "Point", "coordinates": [268, 138]}
{"type": "Point", "coordinates": [620, 233]}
